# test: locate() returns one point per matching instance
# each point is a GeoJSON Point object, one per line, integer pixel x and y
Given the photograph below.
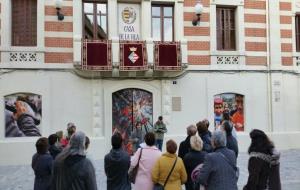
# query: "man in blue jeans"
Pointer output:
{"type": "Point", "coordinates": [160, 129]}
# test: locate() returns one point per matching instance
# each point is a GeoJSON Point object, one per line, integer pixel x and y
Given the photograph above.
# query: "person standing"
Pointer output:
{"type": "Point", "coordinates": [205, 135]}
{"type": "Point", "coordinates": [185, 145]}
{"type": "Point", "coordinates": [219, 167]}
{"type": "Point", "coordinates": [72, 170]}
{"type": "Point", "coordinates": [164, 165]}
{"type": "Point", "coordinates": [116, 165]}
{"type": "Point", "coordinates": [231, 142]}
{"type": "Point", "coordinates": [192, 159]}
{"type": "Point", "coordinates": [137, 136]}
{"type": "Point", "coordinates": [54, 148]}
{"type": "Point", "coordinates": [148, 155]}
{"type": "Point", "coordinates": [42, 165]}
{"type": "Point", "coordinates": [160, 129]}
{"type": "Point", "coordinates": [263, 165]}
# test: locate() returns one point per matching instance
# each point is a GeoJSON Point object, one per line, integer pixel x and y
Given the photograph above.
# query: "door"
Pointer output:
{"type": "Point", "coordinates": [130, 108]}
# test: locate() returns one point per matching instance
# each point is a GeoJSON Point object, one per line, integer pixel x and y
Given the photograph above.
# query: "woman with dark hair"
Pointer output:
{"type": "Point", "coordinates": [146, 158]}
{"type": "Point", "coordinates": [163, 168]}
{"type": "Point", "coordinates": [137, 136]}
{"type": "Point", "coordinates": [205, 135]}
{"type": "Point", "coordinates": [263, 163]}
{"type": "Point", "coordinates": [42, 165]}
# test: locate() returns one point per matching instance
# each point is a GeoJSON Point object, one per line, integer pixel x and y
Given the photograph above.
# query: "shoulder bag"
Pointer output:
{"type": "Point", "coordinates": [158, 186]}
{"type": "Point", "coordinates": [132, 173]}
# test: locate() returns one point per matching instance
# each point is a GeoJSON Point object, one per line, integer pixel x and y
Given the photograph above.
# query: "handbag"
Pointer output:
{"type": "Point", "coordinates": [132, 173]}
{"type": "Point", "coordinates": [158, 186]}
{"type": "Point", "coordinates": [236, 169]}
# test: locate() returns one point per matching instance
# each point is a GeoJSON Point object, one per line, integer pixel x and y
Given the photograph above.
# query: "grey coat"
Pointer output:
{"type": "Point", "coordinates": [216, 173]}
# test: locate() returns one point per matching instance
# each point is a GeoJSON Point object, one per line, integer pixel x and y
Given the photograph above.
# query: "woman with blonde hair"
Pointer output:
{"type": "Point", "coordinates": [169, 170]}
{"type": "Point", "coordinates": [193, 159]}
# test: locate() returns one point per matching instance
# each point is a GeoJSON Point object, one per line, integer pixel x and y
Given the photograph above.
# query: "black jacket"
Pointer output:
{"type": "Point", "coordinates": [191, 160]}
{"type": "Point", "coordinates": [184, 147]}
{"type": "Point", "coordinates": [232, 144]}
{"type": "Point", "coordinates": [116, 165]}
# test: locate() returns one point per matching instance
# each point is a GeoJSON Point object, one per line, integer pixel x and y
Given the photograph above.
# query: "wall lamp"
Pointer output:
{"type": "Point", "coordinates": [58, 5]}
{"type": "Point", "coordinates": [198, 12]}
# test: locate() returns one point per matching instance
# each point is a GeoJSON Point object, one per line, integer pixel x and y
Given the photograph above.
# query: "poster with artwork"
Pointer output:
{"type": "Point", "coordinates": [132, 112]}
{"type": "Point", "coordinates": [230, 103]}
{"type": "Point", "coordinates": [23, 114]}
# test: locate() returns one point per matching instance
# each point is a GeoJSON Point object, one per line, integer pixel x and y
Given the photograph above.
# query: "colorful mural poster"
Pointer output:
{"type": "Point", "coordinates": [132, 116]}
{"type": "Point", "coordinates": [230, 103]}
{"type": "Point", "coordinates": [23, 114]}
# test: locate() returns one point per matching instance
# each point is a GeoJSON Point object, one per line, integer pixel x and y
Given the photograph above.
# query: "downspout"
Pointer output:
{"type": "Point", "coordinates": [269, 76]}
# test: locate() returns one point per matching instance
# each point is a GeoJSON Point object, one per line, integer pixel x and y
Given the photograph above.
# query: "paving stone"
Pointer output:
{"type": "Point", "coordinates": [22, 177]}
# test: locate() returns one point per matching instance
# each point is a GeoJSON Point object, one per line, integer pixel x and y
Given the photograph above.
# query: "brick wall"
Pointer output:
{"type": "Point", "coordinates": [58, 34]}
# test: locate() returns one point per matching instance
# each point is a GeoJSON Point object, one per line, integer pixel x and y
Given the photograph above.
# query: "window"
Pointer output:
{"type": "Point", "coordinates": [297, 22]}
{"type": "Point", "coordinates": [162, 23]}
{"type": "Point", "coordinates": [226, 28]}
{"type": "Point", "coordinates": [24, 23]}
{"type": "Point", "coordinates": [95, 20]}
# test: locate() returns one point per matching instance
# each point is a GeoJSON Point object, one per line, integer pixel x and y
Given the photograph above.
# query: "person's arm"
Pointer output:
{"type": "Point", "coordinates": [134, 159]}
{"type": "Point", "coordinates": [164, 128]}
{"type": "Point", "coordinates": [254, 167]}
{"type": "Point", "coordinates": [205, 170]}
{"type": "Point", "coordinates": [155, 172]}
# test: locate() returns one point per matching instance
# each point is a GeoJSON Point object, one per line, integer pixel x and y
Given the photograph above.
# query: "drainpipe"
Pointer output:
{"type": "Point", "coordinates": [269, 76]}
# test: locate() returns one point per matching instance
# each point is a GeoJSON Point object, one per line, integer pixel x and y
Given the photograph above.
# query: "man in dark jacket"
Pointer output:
{"type": "Point", "coordinates": [219, 167]}
{"type": "Point", "coordinates": [185, 145]}
{"type": "Point", "coordinates": [116, 165]}
{"type": "Point", "coordinates": [231, 142]}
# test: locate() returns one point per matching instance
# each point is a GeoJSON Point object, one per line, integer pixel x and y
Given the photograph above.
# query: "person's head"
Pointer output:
{"type": "Point", "coordinates": [160, 118]}
{"type": "Point", "coordinates": [171, 146]}
{"type": "Point", "coordinates": [116, 140]}
{"type": "Point", "coordinates": [150, 139]}
{"type": "Point", "coordinates": [87, 142]}
{"type": "Point", "coordinates": [71, 128]}
{"type": "Point", "coordinates": [206, 122]}
{"type": "Point", "coordinates": [239, 100]}
{"type": "Point", "coordinates": [196, 143]}
{"type": "Point", "coordinates": [201, 127]}
{"type": "Point", "coordinates": [226, 116]}
{"type": "Point", "coordinates": [41, 145]}
{"type": "Point", "coordinates": [227, 128]}
{"type": "Point", "coordinates": [59, 135]}
{"type": "Point", "coordinates": [218, 139]}
{"type": "Point", "coordinates": [191, 130]}
{"type": "Point", "coordinates": [218, 106]}
{"type": "Point", "coordinates": [138, 125]}
{"type": "Point", "coordinates": [52, 139]}
{"type": "Point", "coordinates": [260, 142]}
{"type": "Point", "coordinates": [77, 143]}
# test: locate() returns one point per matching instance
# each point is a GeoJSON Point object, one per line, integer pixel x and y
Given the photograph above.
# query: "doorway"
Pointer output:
{"type": "Point", "coordinates": [130, 107]}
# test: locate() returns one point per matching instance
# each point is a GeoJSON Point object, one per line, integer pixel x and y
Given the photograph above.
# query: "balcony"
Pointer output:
{"type": "Point", "coordinates": [130, 59]}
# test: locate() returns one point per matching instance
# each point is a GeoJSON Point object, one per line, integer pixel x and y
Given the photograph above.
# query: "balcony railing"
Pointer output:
{"type": "Point", "coordinates": [142, 59]}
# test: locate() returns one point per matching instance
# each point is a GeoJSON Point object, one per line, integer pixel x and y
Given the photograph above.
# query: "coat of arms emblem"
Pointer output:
{"type": "Point", "coordinates": [128, 15]}
{"type": "Point", "coordinates": [133, 57]}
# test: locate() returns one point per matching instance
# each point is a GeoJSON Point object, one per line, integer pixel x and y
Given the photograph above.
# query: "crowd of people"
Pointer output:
{"type": "Point", "coordinates": [206, 160]}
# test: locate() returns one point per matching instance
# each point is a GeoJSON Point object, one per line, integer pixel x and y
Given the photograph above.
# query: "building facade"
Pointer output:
{"type": "Point", "coordinates": [101, 67]}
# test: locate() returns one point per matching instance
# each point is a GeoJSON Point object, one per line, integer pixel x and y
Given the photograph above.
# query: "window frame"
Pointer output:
{"type": "Point", "coordinates": [29, 29]}
{"type": "Point", "coordinates": [297, 32]}
{"type": "Point", "coordinates": [95, 3]}
{"type": "Point", "coordinates": [226, 29]}
{"type": "Point", "coordinates": [162, 18]}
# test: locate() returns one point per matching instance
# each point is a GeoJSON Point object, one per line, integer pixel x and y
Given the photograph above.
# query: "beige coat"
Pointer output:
{"type": "Point", "coordinates": [162, 168]}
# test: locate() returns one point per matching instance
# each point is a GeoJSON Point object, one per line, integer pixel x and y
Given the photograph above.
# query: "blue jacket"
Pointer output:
{"type": "Point", "coordinates": [217, 173]}
{"type": "Point", "coordinates": [42, 167]}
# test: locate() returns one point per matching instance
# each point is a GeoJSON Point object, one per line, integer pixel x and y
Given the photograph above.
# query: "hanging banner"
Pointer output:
{"type": "Point", "coordinates": [133, 56]}
{"type": "Point", "coordinates": [129, 21]}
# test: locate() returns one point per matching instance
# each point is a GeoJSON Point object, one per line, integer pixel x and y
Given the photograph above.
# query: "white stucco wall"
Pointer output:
{"type": "Point", "coordinates": [67, 97]}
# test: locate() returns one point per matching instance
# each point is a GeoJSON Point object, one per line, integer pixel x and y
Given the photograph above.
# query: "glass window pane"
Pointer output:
{"type": "Point", "coordinates": [101, 8]}
{"type": "Point", "coordinates": [168, 11]}
{"type": "Point", "coordinates": [156, 35]}
{"type": "Point", "coordinates": [168, 29]}
{"type": "Point", "coordinates": [101, 21]}
{"type": "Point", "coordinates": [155, 11]}
{"type": "Point", "coordinates": [88, 7]}
{"type": "Point", "coordinates": [89, 19]}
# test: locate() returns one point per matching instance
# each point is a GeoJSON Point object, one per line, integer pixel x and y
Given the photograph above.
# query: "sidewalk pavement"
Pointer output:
{"type": "Point", "coordinates": [22, 177]}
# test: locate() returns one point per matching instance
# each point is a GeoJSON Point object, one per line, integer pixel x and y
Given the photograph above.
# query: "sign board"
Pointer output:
{"type": "Point", "coordinates": [129, 21]}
